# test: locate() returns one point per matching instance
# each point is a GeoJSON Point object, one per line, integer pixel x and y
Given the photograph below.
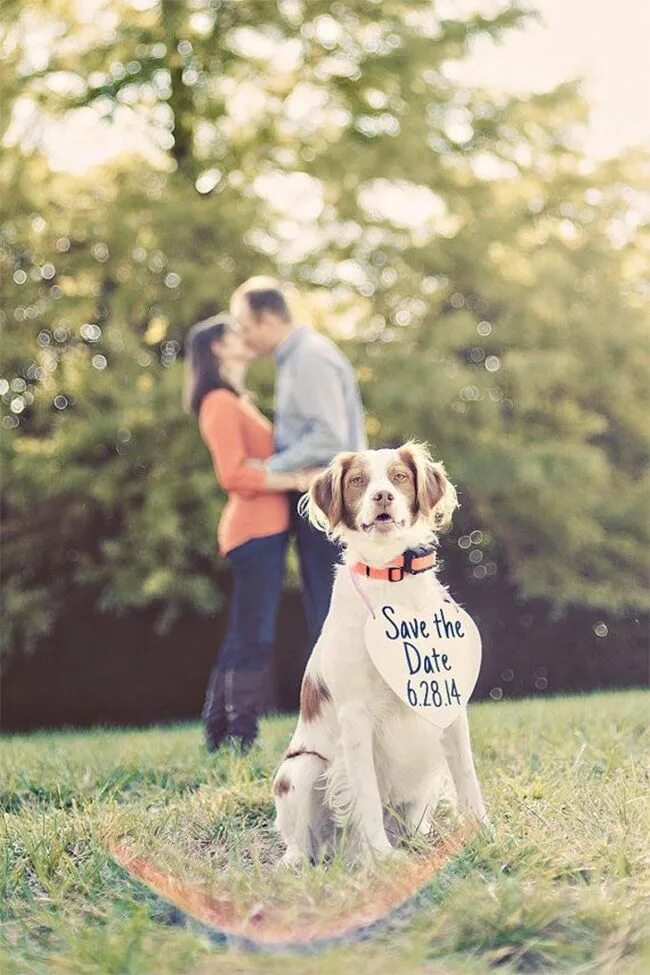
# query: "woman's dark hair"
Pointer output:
{"type": "Point", "coordinates": [203, 373]}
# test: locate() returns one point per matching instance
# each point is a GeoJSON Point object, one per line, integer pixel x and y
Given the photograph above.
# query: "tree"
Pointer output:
{"type": "Point", "coordinates": [476, 259]}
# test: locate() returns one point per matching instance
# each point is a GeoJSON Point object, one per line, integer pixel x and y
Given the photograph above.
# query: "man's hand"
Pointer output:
{"type": "Point", "coordinates": [305, 479]}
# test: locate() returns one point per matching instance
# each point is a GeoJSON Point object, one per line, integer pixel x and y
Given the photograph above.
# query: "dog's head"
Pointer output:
{"type": "Point", "coordinates": [383, 499]}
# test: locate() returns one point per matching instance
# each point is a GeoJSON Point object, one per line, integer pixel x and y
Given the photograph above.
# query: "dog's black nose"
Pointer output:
{"type": "Point", "coordinates": [383, 497]}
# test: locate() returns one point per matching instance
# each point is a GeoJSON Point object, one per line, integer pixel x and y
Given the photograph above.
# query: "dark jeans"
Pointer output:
{"type": "Point", "coordinates": [258, 573]}
{"type": "Point", "coordinates": [318, 556]}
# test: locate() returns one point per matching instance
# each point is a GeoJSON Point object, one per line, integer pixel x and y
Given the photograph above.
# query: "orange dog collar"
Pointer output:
{"type": "Point", "coordinates": [410, 563]}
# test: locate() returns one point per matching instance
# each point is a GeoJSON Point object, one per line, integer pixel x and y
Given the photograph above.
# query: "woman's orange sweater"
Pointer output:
{"type": "Point", "coordinates": [235, 432]}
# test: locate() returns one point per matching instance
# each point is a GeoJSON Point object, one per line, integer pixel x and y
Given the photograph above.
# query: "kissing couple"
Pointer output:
{"type": "Point", "coordinates": [264, 470]}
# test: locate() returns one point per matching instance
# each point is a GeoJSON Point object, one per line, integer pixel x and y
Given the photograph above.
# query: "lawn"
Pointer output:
{"type": "Point", "coordinates": [559, 882]}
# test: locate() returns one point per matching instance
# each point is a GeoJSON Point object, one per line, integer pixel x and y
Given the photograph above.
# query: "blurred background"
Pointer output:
{"type": "Point", "coordinates": [447, 199]}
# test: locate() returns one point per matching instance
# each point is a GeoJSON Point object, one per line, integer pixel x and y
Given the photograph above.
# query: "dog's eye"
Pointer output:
{"type": "Point", "coordinates": [401, 476]}
{"type": "Point", "coordinates": [357, 479]}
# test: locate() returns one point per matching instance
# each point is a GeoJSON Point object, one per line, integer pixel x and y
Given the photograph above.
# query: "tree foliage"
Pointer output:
{"type": "Point", "coordinates": [491, 282]}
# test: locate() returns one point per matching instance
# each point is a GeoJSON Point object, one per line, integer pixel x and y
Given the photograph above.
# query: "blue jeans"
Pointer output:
{"type": "Point", "coordinates": [318, 556]}
{"type": "Point", "coordinates": [258, 573]}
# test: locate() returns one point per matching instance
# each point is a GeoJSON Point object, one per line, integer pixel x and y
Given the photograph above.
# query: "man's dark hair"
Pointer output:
{"type": "Point", "coordinates": [268, 299]}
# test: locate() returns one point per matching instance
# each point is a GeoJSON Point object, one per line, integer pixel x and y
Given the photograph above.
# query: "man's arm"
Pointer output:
{"type": "Point", "coordinates": [319, 393]}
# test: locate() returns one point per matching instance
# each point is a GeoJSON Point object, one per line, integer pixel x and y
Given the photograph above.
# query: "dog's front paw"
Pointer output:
{"type": "Point", "coordinates": [380, 850]}
{"type": "Point", "coordinates": [475, 816]}
{"type": "Point", "coordinates": [472, 808]}
{"type": "Point", "coordinates": [395, 857]}
{"type": "Point", "coordinates": [293, 859]}
{"type": "Point", "coordinates": [479, 813]}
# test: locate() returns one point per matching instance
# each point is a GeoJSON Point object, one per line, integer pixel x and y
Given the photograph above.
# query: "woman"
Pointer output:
{"type": "Point", "coordinates": [253, 530]}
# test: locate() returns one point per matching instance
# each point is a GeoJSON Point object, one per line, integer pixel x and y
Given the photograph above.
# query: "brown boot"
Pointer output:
{"type": "Point", "coordinates": [246, 699]}
{"type": "Point", "coordinates": [215, 722]}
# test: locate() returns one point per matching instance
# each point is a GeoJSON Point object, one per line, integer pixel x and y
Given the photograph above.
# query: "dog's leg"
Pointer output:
{"type": "Point", "coordinates": [299, 807]}
{"type": "Point", "coordinates": [420, 807]}
{"type": "Point", "coordinates": [458, 750]}
{"type": "Point", "coordinates": [419, 813]}
{"type": "Point", "coordinates": [356, 738]}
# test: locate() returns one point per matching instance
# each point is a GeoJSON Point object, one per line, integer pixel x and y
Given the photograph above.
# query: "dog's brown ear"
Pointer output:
{"type": "Point", "coordinates": [433, 487]}
{"type": "Point", "coordinates": [326, 495]}
{"type": "Point", "coordinates": [435, 495]}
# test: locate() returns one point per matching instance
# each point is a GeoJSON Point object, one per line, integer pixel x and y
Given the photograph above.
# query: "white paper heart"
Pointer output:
{"type": "Point", "coordinates": [431, 658]}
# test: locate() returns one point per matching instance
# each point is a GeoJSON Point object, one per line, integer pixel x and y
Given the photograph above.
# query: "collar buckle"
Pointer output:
{"type": "Point", "coordinates": [396, 568]}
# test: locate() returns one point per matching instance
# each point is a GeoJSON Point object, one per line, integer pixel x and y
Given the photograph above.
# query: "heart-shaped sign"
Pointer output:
{"type": "Point", "coordinates": [430, 658]}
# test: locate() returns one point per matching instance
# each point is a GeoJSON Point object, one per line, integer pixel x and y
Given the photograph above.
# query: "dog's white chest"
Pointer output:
{"type": "Point", "coordinates": [408, 751]}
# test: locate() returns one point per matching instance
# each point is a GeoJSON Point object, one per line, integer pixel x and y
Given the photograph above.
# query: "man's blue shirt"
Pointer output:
{"type": "Point", "coordinates": [318, 409]}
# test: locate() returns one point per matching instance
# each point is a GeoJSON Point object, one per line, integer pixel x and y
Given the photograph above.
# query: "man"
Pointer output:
{"type": "Point", "coordinates": [318, 413]}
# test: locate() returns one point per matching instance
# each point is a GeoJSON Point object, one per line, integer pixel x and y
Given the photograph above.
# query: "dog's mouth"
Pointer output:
{"type": "Point", "coordinates": [382, 523]}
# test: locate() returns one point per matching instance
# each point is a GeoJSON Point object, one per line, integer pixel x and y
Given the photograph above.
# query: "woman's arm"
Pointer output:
{"type": "Point", "coordinates": [220, 424]}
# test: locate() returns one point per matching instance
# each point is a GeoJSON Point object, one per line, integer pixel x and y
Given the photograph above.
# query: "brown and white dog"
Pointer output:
{"type": "Point", "coordinates": [358, 750]}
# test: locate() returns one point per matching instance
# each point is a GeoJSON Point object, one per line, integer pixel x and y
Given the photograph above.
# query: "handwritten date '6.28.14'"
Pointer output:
{"type": "Point", "coordinates": [432, 693]}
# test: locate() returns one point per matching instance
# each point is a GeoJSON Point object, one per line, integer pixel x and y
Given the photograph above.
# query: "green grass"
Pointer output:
{"type": "Point", "coordinates": [559, 883]}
